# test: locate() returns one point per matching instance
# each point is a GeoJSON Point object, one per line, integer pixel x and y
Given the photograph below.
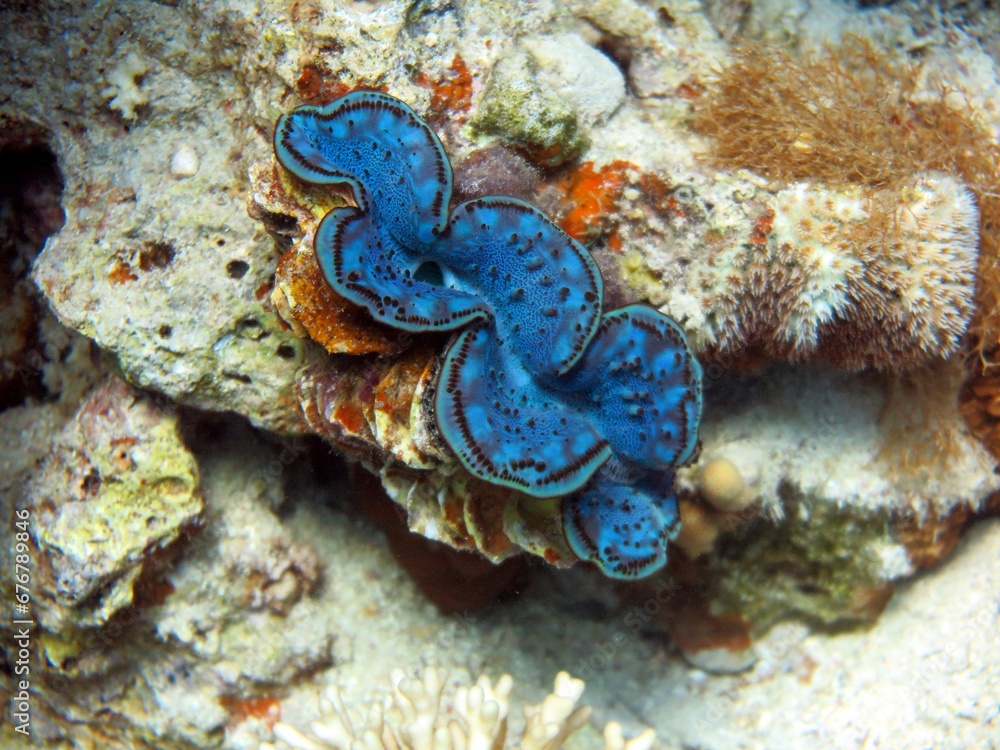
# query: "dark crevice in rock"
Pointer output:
{"type": "Point", "coordinates": [30, 211]}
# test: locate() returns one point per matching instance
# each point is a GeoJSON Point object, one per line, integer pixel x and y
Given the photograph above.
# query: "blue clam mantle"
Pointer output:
{"type": "Point", "coordinates": [541, 390]}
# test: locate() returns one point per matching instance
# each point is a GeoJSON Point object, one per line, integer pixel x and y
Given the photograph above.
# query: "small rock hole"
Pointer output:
{"type": "Point", "coordinates": [237, 268]}
{"type": "Point", "coordinates": [156, 255]}
{"type": "Point", "coordinates": [91, 483]}
{"type": "Point", "coordinates": [251, 328]}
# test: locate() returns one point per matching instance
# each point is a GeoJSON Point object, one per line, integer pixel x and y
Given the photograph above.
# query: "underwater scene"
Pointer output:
{"type": "Point", "coordinates": [468, 375]}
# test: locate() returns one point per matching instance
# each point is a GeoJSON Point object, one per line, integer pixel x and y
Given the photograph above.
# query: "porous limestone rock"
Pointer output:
{"type": "Point", "coordinates": [184, 610]}
{"type": "Point", "coordinates": [581, 74]}
{"type": "Point", "coordinates": [837, 470]}
{"type": "Point", "coordinates": [116, 488]}
{"type": "Point", "coordinates": [144, 264]}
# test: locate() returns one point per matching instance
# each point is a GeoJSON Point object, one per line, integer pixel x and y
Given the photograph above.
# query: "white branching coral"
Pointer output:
{"type": "Point", "coordinates": [854, 277]}
{"type": "Point", "coordinates": [122, 90]}
{"type": "Point", "coordinates": [556, 717]}
{"type": "Point", "coordinates": [475, 719]}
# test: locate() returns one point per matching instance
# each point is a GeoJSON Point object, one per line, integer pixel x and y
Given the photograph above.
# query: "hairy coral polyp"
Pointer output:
{"type": "Point", "coordinates": [880, 257]}
{"type": "Point", "coordinates": [542, 391]}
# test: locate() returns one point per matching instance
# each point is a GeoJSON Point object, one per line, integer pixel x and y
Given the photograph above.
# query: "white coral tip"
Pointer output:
{"type": "Point", "coordinates": [295, 739]}
{"type": "Point", "coordinates": [569, 687]}
{"type": "Point", "coordinates": [614, 740]}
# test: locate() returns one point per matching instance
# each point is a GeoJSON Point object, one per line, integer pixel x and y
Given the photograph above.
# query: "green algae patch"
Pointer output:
{"type": "Point", "coordinates": [117, 488]}
{"type": "Point", "coordinates": [821, 562]}
{"type": "Point", "coordinates": [516, 107]}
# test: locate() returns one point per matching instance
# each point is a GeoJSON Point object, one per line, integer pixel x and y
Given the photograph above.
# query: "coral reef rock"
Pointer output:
{"type": "Point", "coordinates": [159, 268]}
{"type": "Point", "coordinates": [115, 489]}
{"type": "Point", "coordinates": [819, 472]}
{"type": "Point", "coordinates": [516, 106]}
{"type": "Point", "coordinates": [205, 584]}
